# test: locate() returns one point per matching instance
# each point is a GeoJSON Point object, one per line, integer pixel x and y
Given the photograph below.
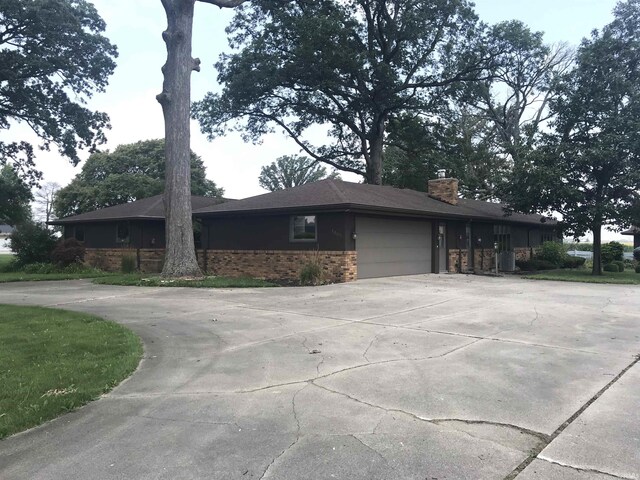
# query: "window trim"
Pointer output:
{"type": "Point", "coordinates": [302, 240]}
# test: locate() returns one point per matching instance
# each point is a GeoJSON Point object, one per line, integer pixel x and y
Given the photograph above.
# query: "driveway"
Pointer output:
{"type": "Point", "coordinates": [424, 377]}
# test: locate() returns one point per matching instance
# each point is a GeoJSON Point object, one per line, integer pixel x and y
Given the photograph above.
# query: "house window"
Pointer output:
{"type": "Point", "coordinates": [122, 232]}
{"type": "Point", "coordinates": [303, 228]}
{"type": "Point", "coordinates": [547, 236]}
{"type": "Point", "coordinates": [79, 234]}
{"type": "Point", "coordinates": [502, 237]}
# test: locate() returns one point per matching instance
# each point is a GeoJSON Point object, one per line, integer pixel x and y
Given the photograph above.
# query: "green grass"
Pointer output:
{"type": "Point", "coordinates": [53, 361]}
{"type": "Point", "coordinates": [628, 277]}
{"type": "Point", "coordinates": [5, 259]}
{"type": "Point", "coordinates": [137, 280]}
{"type": "Point", "coordinates": [41, 277]}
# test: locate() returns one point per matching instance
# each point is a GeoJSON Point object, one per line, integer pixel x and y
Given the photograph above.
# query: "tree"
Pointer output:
{"type": "Point", "coordinates": [129, 173]}
{"type": "Point", "coordinates": [53, 59]}
{"type": "Point", "coordinates": [291, 171]}
{"type": "Point", "coordinates": [44, 199]}
{"type": "Point", "coordinates": [588, 168]}
{"type": "Point", "coordinates": [175, 99]}
{"type": "Point", "coordinates": [348, 65]}
{"type": "Point", "coordinates": [15, 197]}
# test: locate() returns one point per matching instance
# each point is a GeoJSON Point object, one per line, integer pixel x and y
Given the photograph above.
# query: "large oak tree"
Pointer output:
{"type": "Point", "coordinates": [175, 99]}
{"type": "Point", "coordinates": [349, 66]}
{"type": "Point", "coordinates": [53, 58]}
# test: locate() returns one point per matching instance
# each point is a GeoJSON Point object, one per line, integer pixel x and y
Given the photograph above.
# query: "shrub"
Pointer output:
{"type": "Point", "coordinates": [636, 254]}
{"type": "Point", "coordinates": [611, 252]}
{"type": "Point", "coordinates": [535, 265]}
{"type": "Point", "coordinates": [68, 252]}
{"type": "Point", "coordinates": [41, 268]}
{"type": "Point", "coordinates": [573, 262]}
{"type": "Point", "coordinates": [611, 267]}
{"type": "Point", "coordinates": [620, 265]}
{"type": "Point", "coordinates": [32, 243]}
{"type": "Point", "coordinates": [311, 273]}
{"type": "Point", "coordinates": [553, 252]}
{"type": "Point", "coordinates": [637, 268]}
{"type": "Point", "coordinates": [128, 263]}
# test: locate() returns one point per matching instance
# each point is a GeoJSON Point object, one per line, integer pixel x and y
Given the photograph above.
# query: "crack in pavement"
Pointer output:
{"type": "Point", "coordinates": [584, 470]}
{"type": "Point", "coordinates": [377, 335]}
{"type": "Point", "coordinates": [536, 452]}
{"type": "Point", "coordinates": [369, 447]}
{"type": "Point", "coordinates": [536, 317]}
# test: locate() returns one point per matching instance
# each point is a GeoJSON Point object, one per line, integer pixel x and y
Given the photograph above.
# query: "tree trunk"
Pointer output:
{"type": "Point", "coordinates": [374, 165]}
{"type": "Point", "coordinates": [180, 258]}
{"type": "Point", "coordinates": [597, 250]}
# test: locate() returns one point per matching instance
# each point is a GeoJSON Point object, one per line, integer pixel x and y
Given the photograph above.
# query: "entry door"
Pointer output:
{"type": "Point", "coordinates": [388, 247]}
{"type": "Point", "coordinates": [442, 248]}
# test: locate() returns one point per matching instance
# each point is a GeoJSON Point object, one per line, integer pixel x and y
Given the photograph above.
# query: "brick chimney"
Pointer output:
{"type": "Point", "coordinates": [444, 189]}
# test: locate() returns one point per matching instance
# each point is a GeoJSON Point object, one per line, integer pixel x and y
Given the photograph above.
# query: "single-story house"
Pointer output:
{"type": "Point", "coordinates": [135, 228]}
{"type": "Point", "coordinates": [364, 231]}
{"type": "Point", "coordinates": [635, 232]}
{"type": "Point", "coordinates": [5, 231]}
{"type": "Point", "coordinates": [352, 230]}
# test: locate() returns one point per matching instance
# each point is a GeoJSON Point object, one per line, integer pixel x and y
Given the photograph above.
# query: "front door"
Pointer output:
{"type": "Point", "coordinates": [442, 248]}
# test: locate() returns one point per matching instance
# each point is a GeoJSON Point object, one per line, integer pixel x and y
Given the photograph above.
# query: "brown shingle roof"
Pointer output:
{"type": "Point", "coordinates": [337, 194]}
{"type": "Point", "coordinates": [151, 208]}
{"type": "Point", "coordinates": [632, 231]}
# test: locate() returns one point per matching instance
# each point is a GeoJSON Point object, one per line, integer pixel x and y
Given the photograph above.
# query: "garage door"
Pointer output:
{"type": "Point", "coordinates": [392, 247]}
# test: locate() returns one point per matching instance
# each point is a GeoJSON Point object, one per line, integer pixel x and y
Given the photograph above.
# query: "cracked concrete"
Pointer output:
{"type": "Point", "coordinates": [398, 378]}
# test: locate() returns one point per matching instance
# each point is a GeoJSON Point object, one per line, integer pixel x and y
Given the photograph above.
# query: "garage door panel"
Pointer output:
{"type": "Point", "coordinates": [388, 247]}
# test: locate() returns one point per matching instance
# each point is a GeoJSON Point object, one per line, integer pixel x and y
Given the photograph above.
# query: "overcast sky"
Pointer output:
{"type": "Point", "coordinates": [135, 26]}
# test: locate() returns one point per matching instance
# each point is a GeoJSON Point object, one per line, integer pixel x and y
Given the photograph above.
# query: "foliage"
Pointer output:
{"type": "Point", "coordinates": [620, 264]}
{"type": "Point", "coordinates": [15, 196]}
{"type": "Point", "coordinates": [129, 173]}
{"type": "Point", "coordinates": [350, 66]}
{"type": "Point", "coordinates": [611, 267]}
{"type": "Point", "coordinates": [137, 280]}
{"type": "Point", "coordinates": [68, 252]}
{"type": "Point", "coordinates": [637, 268]}
{"type": "Point", "coordinates": [72, 272]}
{"type": "Point", "coordinates": [573, 262]}
{"type": "Point", "coordinates": [54, 58]}
{"type": "Point", "coordinates": [32, 243]}
{"type": "Point", "coordinates": [535, 265]}
{"type": "Point", "coordinates": [553, 252]}
{"type": "Point", "coordinates": [612, 251]}
{"type": "Point", "coordinates": [311, 273]}
{"type": "Point", "coordinates": [636, 254]}
{"type": "Point", "coordinates": [128, 263]}
{"type": "Point", "coordinates": [54, 361]}
{"type": "Point", "coordinates": [587, 166]}
{"type": "Point", "coordinates": [291, 171]}
{"type": "Point", "coordinates": [585, 276]}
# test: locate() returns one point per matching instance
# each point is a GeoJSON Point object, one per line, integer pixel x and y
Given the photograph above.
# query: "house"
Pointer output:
{"type": "Point", "coordinates": [5, 231]}
{"type": "Point", "coordinates": [635, 232]}
{"type": "Point", "coordinates": [135, 228]}
{"type": "Point", "coordinates": [364, 231]}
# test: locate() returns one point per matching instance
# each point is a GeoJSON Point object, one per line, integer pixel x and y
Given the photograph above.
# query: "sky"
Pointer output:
{"type": "Point", "coordinates": [135, 26]}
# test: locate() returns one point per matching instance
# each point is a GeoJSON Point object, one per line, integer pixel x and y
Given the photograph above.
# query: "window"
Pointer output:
{"type": "Point", "coordinates": [502, 236]}
{"type": "Point", "coordinates": [303, 228]}
{"type": "Point", "coordinates": [547, 236]}
{"type": "Point", "coordinates": [79, 234]}
{"type": "Point", "coordinates": [122, 232]}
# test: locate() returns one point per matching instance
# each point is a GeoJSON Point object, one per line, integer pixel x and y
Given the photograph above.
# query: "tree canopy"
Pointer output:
{"type": "Point", "coordinates": [588, 167]}
{"type": "Point", "coordinates": [129, 173]}
{"type": "Point", "coordinates": [54, 57]}
{"type": "Point", "coordinates": [350, 66]}
{"type": "Point", "coordinates": [291, 171]}
{"type": "Point", "coordinates": [15, 197]}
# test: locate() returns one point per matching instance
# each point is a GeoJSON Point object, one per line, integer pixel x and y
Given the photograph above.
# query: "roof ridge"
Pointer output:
{"type": "Point", "coordinates": [335, 188]}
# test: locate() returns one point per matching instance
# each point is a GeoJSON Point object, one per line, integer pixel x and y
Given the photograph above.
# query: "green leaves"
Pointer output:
{"type": "Point", "coordinates": [291, 171]}
{"type": "Point", "coordinates": [130, 172]}
{"type": "Point", "coordinates": [53, 57]}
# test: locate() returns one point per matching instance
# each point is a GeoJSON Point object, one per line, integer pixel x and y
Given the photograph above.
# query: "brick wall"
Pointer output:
{"type": "Point", "coordinates": [281, 264]}
{"type": "Point", "coordinates": [444, 189]}
{"type": "Point", "coordinates": [524, 253]}
{"type": "Point", "coordinates": [270, 264]}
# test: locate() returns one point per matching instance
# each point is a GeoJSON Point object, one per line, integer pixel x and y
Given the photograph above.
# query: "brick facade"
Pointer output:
{"type": "Point", "coordinates": [269, 264]}
{"type": "Point", "coordinates": [444, 189]}
{"type": "Point", "coordinates": [484, 259]}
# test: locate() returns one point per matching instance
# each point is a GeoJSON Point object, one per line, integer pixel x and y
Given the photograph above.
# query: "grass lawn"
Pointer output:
{"type": "Point", "coordinates": [41, 277]}
{"type": "Point", "coordinates": [138, 280]}
{"type": "Point", "coordinates": [53, 361]}
{"type": "Point", "coordinates": [5, 259]}
{"type": "Point", "coordinates": [628, 277]}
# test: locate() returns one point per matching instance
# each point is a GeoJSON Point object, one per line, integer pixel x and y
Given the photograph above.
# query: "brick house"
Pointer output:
{"type": "Point", "coordinates": [353, 231]}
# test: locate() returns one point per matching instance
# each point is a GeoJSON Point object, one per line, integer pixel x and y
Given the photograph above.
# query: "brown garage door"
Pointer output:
{"type": "Point", "coordinates": [389, 247]}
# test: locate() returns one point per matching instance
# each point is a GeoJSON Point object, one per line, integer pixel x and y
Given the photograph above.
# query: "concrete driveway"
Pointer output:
{"type": "Point", "coordinates": [425, 377]}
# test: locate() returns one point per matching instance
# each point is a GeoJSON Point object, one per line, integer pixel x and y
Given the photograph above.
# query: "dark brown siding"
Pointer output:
{"type": "Point", "coordinates": [272, 233]}
{"type": "Point", "coordinates": [103, 234]}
